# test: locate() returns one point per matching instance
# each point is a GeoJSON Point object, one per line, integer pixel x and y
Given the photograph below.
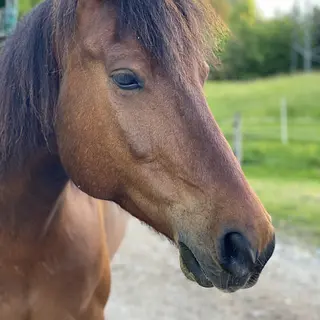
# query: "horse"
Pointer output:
{"type": "Point", "coordinates": [103, 100]}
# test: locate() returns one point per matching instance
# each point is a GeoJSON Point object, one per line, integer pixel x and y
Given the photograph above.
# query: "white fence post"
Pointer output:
{"type": "Point", "coordinates": [237, 137]}
{"type": "Point", "coordinates": [284, 121]}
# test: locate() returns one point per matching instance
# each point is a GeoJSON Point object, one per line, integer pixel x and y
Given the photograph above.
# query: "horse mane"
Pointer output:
{"type": "Point", "coordinates": [171, 31]}
{"type": "Point", "coordinates": [29, 85]}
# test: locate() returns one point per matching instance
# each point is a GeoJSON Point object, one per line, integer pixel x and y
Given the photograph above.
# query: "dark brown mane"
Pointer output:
{"type": "Point", "coordinates": [172, 31]}
{"type": "Point", "coordinates": [29, 84]}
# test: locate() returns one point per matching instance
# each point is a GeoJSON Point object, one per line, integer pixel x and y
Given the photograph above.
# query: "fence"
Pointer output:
{"type": "Point", "coordinates": [284, 130]}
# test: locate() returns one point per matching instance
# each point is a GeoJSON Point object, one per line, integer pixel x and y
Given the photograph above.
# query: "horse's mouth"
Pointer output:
{"type": "Point", "coordinates": [191, 267]}
{"type": "Point", "coordinates": [223, 281]}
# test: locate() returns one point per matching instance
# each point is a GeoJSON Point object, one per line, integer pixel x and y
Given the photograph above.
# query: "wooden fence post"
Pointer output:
{"type": "Point", "coordinates": [284, 121]}
{"type": "Point", "coordinates": [237, 137]}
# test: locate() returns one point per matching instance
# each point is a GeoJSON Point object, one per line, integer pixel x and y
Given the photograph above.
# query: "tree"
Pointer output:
{"type": "Point", "coordinates": [243, 12]}
{"type": "Point", "coordinates": [257, 49]}
{"type": "Point", "coordinates": [316, 34]}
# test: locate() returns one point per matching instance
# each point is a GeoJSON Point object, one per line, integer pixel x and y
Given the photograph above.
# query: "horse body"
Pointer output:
{"type": "Point", "coordinates": [99, 100]}
{"type": "Point", "coordinates": [57, 265]}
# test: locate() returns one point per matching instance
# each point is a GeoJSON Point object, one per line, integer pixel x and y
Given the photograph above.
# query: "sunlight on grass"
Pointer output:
{"type": "Point", "coordinates": [261, 98]}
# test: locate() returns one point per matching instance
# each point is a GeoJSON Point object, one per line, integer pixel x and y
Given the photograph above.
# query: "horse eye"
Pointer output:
{"type": "Point", "coordinates": [127, 81]}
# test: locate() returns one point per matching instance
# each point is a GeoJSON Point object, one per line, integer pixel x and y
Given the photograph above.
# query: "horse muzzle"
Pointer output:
{"type": "Point", "coordinates": [236, 265]}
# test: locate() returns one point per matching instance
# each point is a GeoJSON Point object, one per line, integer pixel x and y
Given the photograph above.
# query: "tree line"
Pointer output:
{"type": "Point", "coordinates": [257, 47]}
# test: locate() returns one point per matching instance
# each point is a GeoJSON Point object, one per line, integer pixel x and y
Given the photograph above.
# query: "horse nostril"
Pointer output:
{"type": "Point", "coordinates": [237, 256]}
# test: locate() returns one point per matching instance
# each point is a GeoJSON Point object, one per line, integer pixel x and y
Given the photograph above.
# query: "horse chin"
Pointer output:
{"type": "Point", "coordinates": [191, 268]}
{"type": "Point", "coordinates": [222, 281]}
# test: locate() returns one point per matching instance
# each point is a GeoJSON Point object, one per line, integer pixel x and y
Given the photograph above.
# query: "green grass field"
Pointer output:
{"type": "Point", "coordinates": [286, 177]}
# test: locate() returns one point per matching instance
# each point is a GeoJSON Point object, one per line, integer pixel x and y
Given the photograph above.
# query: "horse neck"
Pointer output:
{"type": "Point", "coordinates": [29, 196]}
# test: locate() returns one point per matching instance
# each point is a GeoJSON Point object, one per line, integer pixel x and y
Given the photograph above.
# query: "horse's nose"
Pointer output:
{"type": "Point", "coordinates": [236, 255]}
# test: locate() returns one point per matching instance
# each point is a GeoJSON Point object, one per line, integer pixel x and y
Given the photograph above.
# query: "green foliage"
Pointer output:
{"type": "Point", "coordinates": [259, 47]}
{"type": "Point", "coordinates": [258, 50]}
{"type": "Point", "coordinates": [243, 13]}
{"type": "Point", "coordinates": [26, 5]}
{"type": "Point", "coordinates": [316, 32]}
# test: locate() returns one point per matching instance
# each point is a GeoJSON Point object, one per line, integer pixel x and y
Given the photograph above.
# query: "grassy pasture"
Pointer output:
{"type": "Point", "coordinates": [286, 177]}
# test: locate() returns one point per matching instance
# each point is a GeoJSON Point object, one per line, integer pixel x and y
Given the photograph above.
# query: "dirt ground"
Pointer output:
{"type": "Point", "coordinates": [148, 284]}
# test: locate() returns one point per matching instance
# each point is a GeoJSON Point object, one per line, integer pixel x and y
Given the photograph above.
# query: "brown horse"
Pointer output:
{"type": "Point", "coordinates": [109, 94]}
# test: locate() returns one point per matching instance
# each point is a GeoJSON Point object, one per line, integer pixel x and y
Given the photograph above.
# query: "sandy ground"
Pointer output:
{"type": "Point", "coordinates": [148, 284]}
